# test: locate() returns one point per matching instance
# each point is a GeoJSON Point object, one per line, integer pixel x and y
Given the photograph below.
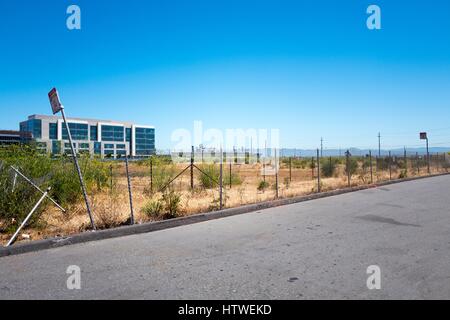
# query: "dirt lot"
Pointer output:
{"type": "Point", "coordinates": [112, 207]}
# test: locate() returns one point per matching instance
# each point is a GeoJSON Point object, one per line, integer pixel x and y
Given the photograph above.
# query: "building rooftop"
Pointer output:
{"type": "Point", "coordinates": [128, 123]}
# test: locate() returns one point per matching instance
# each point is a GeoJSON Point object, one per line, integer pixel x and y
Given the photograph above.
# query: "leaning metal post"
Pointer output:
{"type": "Point", "coordinates": [36, 187]}
{"type": "Point", "coordinates": [28, 217]}
{"type": "Point", "coordinates": [77, 166]}
{"type": "Point", "coordinates": [129, 191]}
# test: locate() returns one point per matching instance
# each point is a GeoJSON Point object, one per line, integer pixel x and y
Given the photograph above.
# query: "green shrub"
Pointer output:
{"type": "Point", "coordinates": [210, 170]}
{"type": "Point", "coordinates": [328, 167]}
{"type": "Point", "coordinates": [166, 207]}
{"type": "Point", "coordinates": [351, 167]}
{"type": "Point", "coordinates": [263, 185]}
{"type": "Point", "coordinates": [153, 208]}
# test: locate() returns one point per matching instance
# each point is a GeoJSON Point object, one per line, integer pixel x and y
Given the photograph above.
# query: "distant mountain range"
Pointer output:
{"type": "Point", "coordinates": [361, 152]}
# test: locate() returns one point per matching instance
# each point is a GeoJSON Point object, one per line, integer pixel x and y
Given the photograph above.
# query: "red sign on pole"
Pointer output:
{"type": "Point", "coordinates": [54, 101]}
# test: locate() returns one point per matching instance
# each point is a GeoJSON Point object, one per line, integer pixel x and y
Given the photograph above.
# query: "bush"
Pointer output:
{"type": "Point", "coordinates": [167, 207]}
{"type": "Point", "coordinates": [351, 167]}
{"type": "Point", "coordinates": [153, 208]}
{"type": "Point", "coordinates": [263, 185]}
{"type": "Point", "coordinates": [60, 174]}
{"type": "Point", "coordinates": [211, 170]}
{"type": "Point", "coordinates": [162, 173]}
{"type": "Point", "coordinates": [328, 167]}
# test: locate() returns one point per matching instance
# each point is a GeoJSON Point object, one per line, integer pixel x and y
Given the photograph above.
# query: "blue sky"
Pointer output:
{"type": "Point", "coordinates": [309, 68]}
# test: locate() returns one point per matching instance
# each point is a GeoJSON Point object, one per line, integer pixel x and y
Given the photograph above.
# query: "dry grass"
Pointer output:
{"type": "Point", "coordinates": [111, 208]}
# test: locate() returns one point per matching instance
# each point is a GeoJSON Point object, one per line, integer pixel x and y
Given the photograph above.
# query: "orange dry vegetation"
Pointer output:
{"type": "Point", "coordinates": [112, 208]}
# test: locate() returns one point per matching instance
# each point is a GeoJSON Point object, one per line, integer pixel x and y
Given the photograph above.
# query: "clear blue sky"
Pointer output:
{"type": "Point", "coordinates": [309, 68]}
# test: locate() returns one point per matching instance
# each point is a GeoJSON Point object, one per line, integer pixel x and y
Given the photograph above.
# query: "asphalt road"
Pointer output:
{"type": "Point", "coordinates": [311, 250]}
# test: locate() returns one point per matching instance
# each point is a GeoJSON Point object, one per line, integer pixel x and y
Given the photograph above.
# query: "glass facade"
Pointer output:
{"type": "Point", "coordinates": [56, 147]}
{"type": "Point", "coordinates": [145, 141]}
{"type": "Point", "coordinates": [53, 131]}
{"type": "Point", "coordinates": [34, 126]}
{"type": "Point", "coordinates": [94, 133]}
{"type": "Point", "coordinates": [79, 131]}
{"type": "Point", "coordinates": [112, 133]}
{"type": "Point", "coordinates": [128, 134]}
{"type": "Point", "coordinates": [97, 148]}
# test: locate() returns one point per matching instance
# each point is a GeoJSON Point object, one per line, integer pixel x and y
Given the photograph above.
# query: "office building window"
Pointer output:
{"type": "Point", "coordinates": [56, 147]}
{"type": "Point", "coordinates": [94, 133]}
{"type": "Point", "coordinates": [79, 131]}
{"type": "Point", "coordinates": [112, 133]}
{"type": "Point", "coordinates": [97, 148]}
{"type": "Point", "coordinates": [120, 146]}
{"type": "Point", "coordinates": [128, 134]}
{"type": "Point", "coordinates": [34, 126]}
{"type": "Point", "coordinates": [109, 146]}
{"type": "Point", "coordinates": [109, 153]}
{"type": "Point", "coordinates": [83, 145]}
{"type": "Point", "coordinates": [145, 141]}
{"type": "Point", "coordinates": [53, 131]}
{"type": "Point", "coordinates": [121, 153]}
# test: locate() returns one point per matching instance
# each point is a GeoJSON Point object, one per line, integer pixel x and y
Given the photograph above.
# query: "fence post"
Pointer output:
{"type": "Point", "coordinates": [290, 169]}
{"type": "Point", "coordinates": [417, 163]}
{"type": "Point", "coordinates": [371, 169]}
{"type": "Point", "coordinates": [221, 179]}
{"type": "Point", "coordinates": [151, 174]}
{"type": "Point", "coordinates": [390, 168]}
{"type": "Point", "coordinates": [111, 177]}
{"type": "Point", "coordinates": [28, 217]}
{"type": "Point", "coordinates": [347, 165]}
{"type": "Point", "coordinates": [318, 171]}
{"type": "Point", "coordinates": [276, 175]}
{"type": "Point", "coordinates": [14, 182]}
{"type": "Point", "coordinates": [192, 168]}
{"type": "Point", "coordinates": [406, 162]}
{"type": "Point", "coordinates": [230, 173]}
{"type": "Point", "coordinates": [129, 191]}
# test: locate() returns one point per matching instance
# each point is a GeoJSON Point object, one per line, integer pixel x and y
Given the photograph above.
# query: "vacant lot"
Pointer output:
{"type": "Point", "coordinates": [154, 198]}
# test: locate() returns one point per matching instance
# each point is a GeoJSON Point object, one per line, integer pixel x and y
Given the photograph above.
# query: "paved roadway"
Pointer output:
{"type": "Point", "coordinates": [311, 250]}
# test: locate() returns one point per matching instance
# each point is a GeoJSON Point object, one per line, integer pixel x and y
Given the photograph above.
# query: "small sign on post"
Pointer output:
{"type": "Point", "coordinates": [54, 101]}
{"type": "Point", "coordinates": [57, 107]}
{"type": "Point", "coordinates": [423, 136]}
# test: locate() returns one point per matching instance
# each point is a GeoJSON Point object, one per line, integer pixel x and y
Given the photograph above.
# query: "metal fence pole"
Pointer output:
{"type": "Point", "coordinates": [371, 169]}
{"type": "Point", "coordinates": [347, 165]}
{"type": "Point", "coordinates": [405, 161]}
{"type": "Point", "coordinates": [80, 176]}
{"type": "Point", "coordinates": [417, 163]}
{"type": "Point", "coordinates": [276, 174]}
{"type": "Point", "coordinates": [129, 191]}
{"type": "Point", "coordinates": [36, 187]}
{"type": "Point", "coordinates": [221, 179]}
{"type": "Point", "coordinates": [192, 168]}
{"type": "Point", "coordinates": [230, 173]}
{"type": "Point", "coordinates": [14, 182]}
{"type": "Point", "coordinates": [28, 217]}
{"type": "Point", "coordinates": [390, 168]}
{"type": "Point", "coordinates": [318, 172]}
{"type": "Point", "coordinates": [428, 158]}
{"type": "Point", "coordinates": [111, 177]}
{"type": "Point", "coordinates": [290, 169]}
{"type": "Point", "coordinates": [151, 174]}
